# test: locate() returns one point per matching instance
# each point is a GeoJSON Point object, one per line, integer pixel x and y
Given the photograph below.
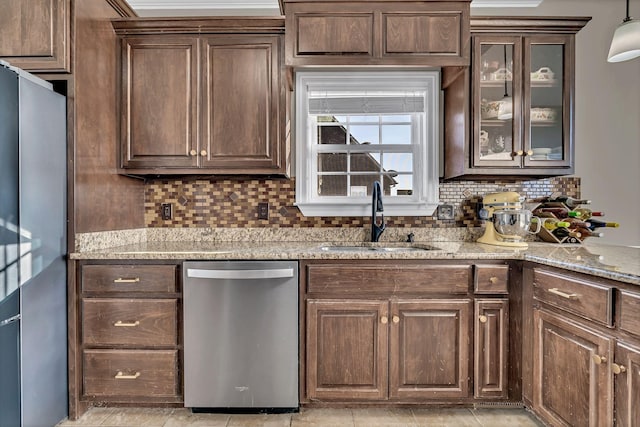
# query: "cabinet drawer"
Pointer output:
{"type": "Point", "coordinates": [145, 373]}
{"type": "Point", "coordinates": [139, 322]}
{"type": "Point", "coordinates": [129, 278]}
{"type": "Point", "coordinates": [423, 33]}
{"type": "Point", "coordinates": [590, 300]}
{"type": "Point", "coordinates": [392, 279]}
{"type": "Point", "coordinates": [630, 312]}
{"type": "Point", "coordinates": [491, 279]}
{"type": "Point", "coordinates": [334, 33]}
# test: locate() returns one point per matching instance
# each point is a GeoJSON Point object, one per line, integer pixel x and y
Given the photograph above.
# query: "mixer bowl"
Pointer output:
{"type": "Point", "coordinates": [512, 223]}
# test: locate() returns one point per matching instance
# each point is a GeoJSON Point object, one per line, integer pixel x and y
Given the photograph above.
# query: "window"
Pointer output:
{"type": "Point", "coordinates": [357, 127]}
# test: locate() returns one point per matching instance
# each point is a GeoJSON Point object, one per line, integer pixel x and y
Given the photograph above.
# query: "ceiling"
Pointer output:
{"type": "Point", "coordinates": [257, 7]}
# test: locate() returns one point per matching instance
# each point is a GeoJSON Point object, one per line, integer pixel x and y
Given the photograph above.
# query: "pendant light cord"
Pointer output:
{"type": "Point", "coordinates": [627, 18]}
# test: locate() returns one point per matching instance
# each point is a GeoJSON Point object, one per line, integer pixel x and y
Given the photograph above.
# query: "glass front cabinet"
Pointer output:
{"type": "Point", "coordinates": [522, 95]}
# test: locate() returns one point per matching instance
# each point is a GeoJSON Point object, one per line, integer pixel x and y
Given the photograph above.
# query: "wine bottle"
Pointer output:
{"type": "Point", "coordinates": [594, 223]}
{"type": "Point", "coordinates": [570, 201]}
{"type": "Point", "coordinates": [562, 232]}
{"type": "Point", "coordinates": [551, 223]}
{"type": "Point", "coordinates": [559, 212]}
{"type": "Point", "coordinates": [588, 213]}
{"type": "Point", "coordinates": [572, 240]}
{"type": "Point", "coordinates": [575, 222]}
{"type": "Point", "coordinates": [585, 232]}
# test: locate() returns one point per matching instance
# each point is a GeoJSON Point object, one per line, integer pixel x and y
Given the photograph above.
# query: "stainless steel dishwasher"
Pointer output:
{"type": "Point", "coordinates": [241, 336]}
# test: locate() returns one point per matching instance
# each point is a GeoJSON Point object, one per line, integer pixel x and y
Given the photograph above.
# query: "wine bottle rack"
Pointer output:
{"type": "Point", "coordinates": [547, 235]}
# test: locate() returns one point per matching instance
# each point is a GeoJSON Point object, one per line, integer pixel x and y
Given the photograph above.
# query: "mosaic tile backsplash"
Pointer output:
{"type": "Point", "coordinates": [233, 202]}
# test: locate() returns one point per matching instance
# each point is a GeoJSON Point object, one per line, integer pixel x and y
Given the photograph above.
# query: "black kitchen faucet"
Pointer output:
{"type": "Point", "coordinates": [376, 206]}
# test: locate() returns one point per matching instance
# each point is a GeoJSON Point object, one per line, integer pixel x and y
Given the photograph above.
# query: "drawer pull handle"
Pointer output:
{"type": "Point", "coordinates": [558, 292]}
{"type": "Point", "coordinates": [384, 320]}
{"type": "Point", "coordinates": [493, 280]}
{"type": "Point", "coordinates": [598, 360]}
{"type": "Point", "coordinates": [618, 369]}
{"type": "Point", "coordinates": [483, 319]}
{"type": "Point", "coordinates": [120, 323]}
{"type": "Point", "coordinates": [121, 376]}
{"type": "Point", "coordinates": [121, 280]}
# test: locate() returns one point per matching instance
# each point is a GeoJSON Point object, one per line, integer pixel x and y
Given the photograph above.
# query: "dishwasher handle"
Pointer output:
{"type": "Point", "coordinates": [276, 273]}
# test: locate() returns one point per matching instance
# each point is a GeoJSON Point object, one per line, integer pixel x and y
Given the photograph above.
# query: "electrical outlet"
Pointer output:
{"type": "Point", "coordinates": [167, 211]}
{"type": "Point", "coordinates": [446, 212]}
{"type": "Point", "coordinates": [263, 210]}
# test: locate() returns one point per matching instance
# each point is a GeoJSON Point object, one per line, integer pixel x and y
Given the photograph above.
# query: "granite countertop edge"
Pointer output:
{"type": "Point", "coordinates": [611, 262]}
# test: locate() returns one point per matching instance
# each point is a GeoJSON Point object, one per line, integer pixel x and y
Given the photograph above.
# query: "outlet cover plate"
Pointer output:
{"type": "Point", "coordinates": [263, 210]}
{"type": "Point", "coordinates": [167, 211]}
{"type": "Point", "coordinates": [446, 212]}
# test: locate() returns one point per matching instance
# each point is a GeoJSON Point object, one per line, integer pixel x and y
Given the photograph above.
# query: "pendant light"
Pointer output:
{"type": "Point", "coordinates": [505, 110]}
{"type": "Point", "coordinates": [626, 40]}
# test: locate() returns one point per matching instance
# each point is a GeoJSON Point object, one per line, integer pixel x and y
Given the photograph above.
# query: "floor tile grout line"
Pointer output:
{"type": "Point", "coordinates": [475, 417]}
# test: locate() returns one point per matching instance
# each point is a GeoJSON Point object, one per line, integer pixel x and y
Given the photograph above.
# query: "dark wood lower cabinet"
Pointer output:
{"type": "Point", "coordinates": [404, 350]}
{"type": "Point", "coordinates": [126, 375]}
{"type": "Point", "coordinates": [491, 326]}
{"type": "Point", "coordinates": [627, 385]}
{"type": "Point", "coordinates": [429, 349]}
{"type": "Point", "coordinates": [572, 373]}
{"type": "Point", "coordinates": [130, 333]}
{"type": "Point", "coordinates": [347, 349]}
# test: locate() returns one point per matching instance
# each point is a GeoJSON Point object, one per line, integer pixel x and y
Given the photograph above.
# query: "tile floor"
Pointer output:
{"type": "Point", "coordinates": [371, 417]}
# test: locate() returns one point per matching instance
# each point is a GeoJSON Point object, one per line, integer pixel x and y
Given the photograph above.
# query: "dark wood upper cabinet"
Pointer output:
{"type": "Point", "coordinates": [159, 101]}
{"type": "Point", "coordinates": [35, 35]}
{"type": "Point", "coordinates": [399, 33]}
{"type": "Point", "coordinates": [208, 98]}
{"type": "Point", "coordinates": [517, 99]}
{"type": "Point", "coordinates": [241, 116]}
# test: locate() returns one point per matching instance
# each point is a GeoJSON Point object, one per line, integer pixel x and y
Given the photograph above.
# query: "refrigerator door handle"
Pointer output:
{"type": "Point", "coordinates": [9, 320]}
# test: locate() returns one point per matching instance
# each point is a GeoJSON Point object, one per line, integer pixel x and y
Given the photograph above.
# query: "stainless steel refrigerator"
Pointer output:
{"type": "Point", "coordinates": [33, 292]}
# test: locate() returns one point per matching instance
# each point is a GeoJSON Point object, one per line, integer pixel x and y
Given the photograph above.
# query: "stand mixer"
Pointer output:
{"type": "Point", "coordinates": [507, 223]}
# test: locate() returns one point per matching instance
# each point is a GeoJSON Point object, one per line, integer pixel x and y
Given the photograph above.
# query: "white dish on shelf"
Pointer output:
{"type": "Point", "coordinates": [541, 151]}
{"type": "Point", "coordinates": [543, 115]}
{"type": "Point", "coordinates": [544, 74]}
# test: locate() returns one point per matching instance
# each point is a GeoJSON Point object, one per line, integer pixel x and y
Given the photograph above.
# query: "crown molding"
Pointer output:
{"type": "Point", "coordinates": [202, 4]}
{"type": "Point", "coordinates": [506, 3]}
{"type": "Point", "coordinates": [273, 4]}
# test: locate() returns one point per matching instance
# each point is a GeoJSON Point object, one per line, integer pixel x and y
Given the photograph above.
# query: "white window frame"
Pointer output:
{"type": "Point", "coordinates": [425, 154]}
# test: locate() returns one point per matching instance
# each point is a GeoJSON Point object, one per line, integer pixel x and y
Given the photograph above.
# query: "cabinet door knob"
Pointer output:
{"type": "Point", "coordinates": [203, 153]}
{"type": "Point", "coordinates": [193, 152]}
{"type": "Point", "coordinates": [483, 319]}
{"type": "Point", "coordinates": [493, 280]}
{"type": "Point", "coordinates": [598, 360]}
{"type": "Point", "coordinates": [395, 319]}
{"type": "Point", "coordinates": [529, 153]}
{"type": "Point", "coordinates": [618, 369]}
{"type": "Point", "coordinates": [520, 153]}
{"type": "Point", "coordinates": [384, 320]}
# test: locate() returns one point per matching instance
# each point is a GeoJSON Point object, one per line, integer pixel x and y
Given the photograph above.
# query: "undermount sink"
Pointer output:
{"type": "Point", "coordinates": [376, 248]}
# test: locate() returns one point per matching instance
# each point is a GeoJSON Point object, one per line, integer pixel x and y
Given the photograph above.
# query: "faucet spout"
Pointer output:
{"type": "Point", "coordinates": [376, 206]}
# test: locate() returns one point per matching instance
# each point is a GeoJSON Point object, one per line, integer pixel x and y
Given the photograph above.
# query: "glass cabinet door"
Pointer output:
{"type": "Point", "coordinates": [547, 124]}
{"type": "Point", "coordinates": [497, 108]}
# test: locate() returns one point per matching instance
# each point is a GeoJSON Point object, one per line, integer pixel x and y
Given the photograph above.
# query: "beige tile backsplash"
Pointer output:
{"type": "Point", "coordinates": [232, 202]}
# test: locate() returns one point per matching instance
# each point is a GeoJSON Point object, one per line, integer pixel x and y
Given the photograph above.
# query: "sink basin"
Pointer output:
{"type": "Point", "coordinates": [372, 248]}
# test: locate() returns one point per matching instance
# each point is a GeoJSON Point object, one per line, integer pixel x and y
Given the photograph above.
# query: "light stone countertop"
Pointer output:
{"type": "Point", "coordinates": [611, 262]}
